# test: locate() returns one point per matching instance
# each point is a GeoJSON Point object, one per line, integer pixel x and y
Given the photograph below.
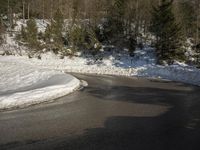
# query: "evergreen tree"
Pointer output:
{"type": "Point", "coordinates": [48, 34]}
{"type": "Point", "coordinates": [119, 8]}
{"type": "Point", "coordinates": [57, 27]}
{"type": "Point", "coordinates": [54, 32]}
{"type": "Point", "coordinates": [1, 25]}
{"type": "Point", "coordinates": [23, 35]}
{"type": "Point", "coordinates": [92, 41]}
{"type": "Point", "coordinates": [76, 38]}
{"type": "Point", "coordinates": [119, 11]}
{"type": "Point", "coordinates": [32, 31]}
{"type": "Point", "coordinates": [187, 16]}
{"type": "Point", "coordinates": [167, 31]}
{"type": "Point", "coordinates": [1, 31]}
{"type": "Point", "coordinates": [3, 8]}
{"type": "Point", "coordinates": [114, 26]}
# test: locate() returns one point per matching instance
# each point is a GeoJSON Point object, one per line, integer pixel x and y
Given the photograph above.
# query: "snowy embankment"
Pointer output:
{"type": "Point", "coordinates": [143, 64]}
{"type": "Point", "coordinates": [23, 85]}
{"type": "Point", "coordinates": [177, 73]}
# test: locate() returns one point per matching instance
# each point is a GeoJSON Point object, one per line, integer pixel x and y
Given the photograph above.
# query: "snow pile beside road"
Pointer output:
{"type": "Point", "coordinates": [143, 64]}
{"type": "Point", "coordinates": [188, 74]}
{"type": "Point", "coordinates": [23, 85]}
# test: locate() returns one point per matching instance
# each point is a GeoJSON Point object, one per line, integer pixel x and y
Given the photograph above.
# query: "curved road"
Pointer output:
{"type": "Point", "coordinates": [112, 113]}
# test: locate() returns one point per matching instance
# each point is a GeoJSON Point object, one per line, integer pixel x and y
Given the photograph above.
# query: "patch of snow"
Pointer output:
{"type": "Point", "coordinates": [177, 63]}
{"type": "Point", "coordinates": [23, 85]}
{"type": "Point", "coordinates": [41, 24]}
{"type": "Point", "coordinates": [11, 46]}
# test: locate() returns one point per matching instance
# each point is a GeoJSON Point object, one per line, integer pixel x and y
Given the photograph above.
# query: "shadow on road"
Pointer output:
{"type": "Point", "coordinates": [137, 133]}
{"type": "Point", "coordinates": [176, 129]}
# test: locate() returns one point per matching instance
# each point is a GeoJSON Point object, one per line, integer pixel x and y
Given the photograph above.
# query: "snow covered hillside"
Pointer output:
{"type": "Point", "coordinates": [23, 85]}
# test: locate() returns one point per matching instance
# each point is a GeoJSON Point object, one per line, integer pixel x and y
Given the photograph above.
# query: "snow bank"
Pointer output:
{"type": "Point", "coordinates": [23, 85]}
{"type": "Point", "coordinates": [143, 64]}
{"type": "Point", "coordinates": [188, 75]}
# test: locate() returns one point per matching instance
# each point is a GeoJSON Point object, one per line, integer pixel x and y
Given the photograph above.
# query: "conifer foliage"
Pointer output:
{"type": "Point", "coordinates": [167, 32]}
{"type": "Point", "coordinates": [54, 32]}
{"type": "Point", "coordinates": [57, 27]}
{"type": "Point", "coordinates": [114, 26]}
{"type": "Point", "coordinates": [31, 31]}
{"type": "Point", "coordinates": [1, 31]}
{"type": "Point", "coordinates": [29, 35]}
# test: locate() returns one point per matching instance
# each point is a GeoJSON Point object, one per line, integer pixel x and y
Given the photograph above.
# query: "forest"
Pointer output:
{"type": "Point", "coordinates": [170, 26]}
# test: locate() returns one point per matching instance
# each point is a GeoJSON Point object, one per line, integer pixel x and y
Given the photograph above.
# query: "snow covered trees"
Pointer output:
{"type": "Point", "coordinates": [167, 31]}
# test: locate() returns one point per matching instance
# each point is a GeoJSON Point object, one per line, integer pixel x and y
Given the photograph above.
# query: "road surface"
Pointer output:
{"type": "Point", "coordinates": [112, 113]}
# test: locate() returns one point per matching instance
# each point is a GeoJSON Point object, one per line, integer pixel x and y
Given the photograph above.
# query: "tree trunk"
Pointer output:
{"type": "Point", "coordinates": [28, 10]}
{"type": "Point", "coordinates": [197, 25]}
{"type": "Point", "coordinates": [23, 13]}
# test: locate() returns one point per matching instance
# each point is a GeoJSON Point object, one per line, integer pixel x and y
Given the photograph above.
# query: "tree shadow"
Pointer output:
{"type": "Point", "coordinates": [165, 132]}
{"type": "Point", "coordinates": [177, 129]}
{"type": "Point", "coordinates": [126, 133]}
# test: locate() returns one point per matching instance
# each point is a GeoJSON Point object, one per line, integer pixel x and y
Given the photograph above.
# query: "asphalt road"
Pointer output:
{"type": "Point", "coordinates": [112, 113]}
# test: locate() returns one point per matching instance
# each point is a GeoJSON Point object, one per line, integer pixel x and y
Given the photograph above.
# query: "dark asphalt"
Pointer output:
{"type": "Point", "coordinates": [112, 113]}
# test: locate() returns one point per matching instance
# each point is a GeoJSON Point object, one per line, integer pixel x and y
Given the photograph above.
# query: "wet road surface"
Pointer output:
{"type": "Point", "coordinates": [112, 113]}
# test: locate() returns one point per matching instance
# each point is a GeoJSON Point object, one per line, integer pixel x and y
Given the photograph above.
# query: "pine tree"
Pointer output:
{"type": "Point", "coordinates": [167, 31]}
{"type": "Point", "coordinates": [187, 16]}
{"type": "Point", "coordinates": [1, 31]}
{"type": "Point", "coordinates": [57, 27]}
{"type": "Point", "coordinates": [31, 33]}
{"type": "Point", "coordinates": [4, 5]}
{"type": "Point", "coordinates": [48, 34]}
{"type": "Point", "coordinates": [118, 15]}
{"type": "Point", "coordinates": [1, 25]}
{"type": "Point", "coordinates": [114, 26]}
{"type": "Point", "coordinates": [54, 32]}
{"type": "Point", "coordinates": [92, 41]}
{"type": "Point", "coordinates": [76, 38]}
{"type": "Point", "coordinates": [23, 34]}
{"type": "Point", "coordinates": [119, 6]}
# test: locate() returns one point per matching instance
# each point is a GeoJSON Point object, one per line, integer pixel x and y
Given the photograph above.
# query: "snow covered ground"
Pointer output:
{"type": "Point", "coordinates": [23, 85]}
{"type": "Point", "coordinates": [143, 64]}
